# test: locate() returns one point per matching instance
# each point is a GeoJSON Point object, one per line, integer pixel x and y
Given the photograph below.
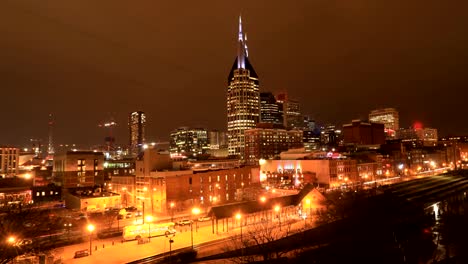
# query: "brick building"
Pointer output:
{"type": "Point", "coordinates": [364, 133]}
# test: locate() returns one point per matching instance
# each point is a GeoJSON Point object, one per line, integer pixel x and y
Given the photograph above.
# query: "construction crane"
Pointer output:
{"type": "Point", "coordinates": [109, 139]}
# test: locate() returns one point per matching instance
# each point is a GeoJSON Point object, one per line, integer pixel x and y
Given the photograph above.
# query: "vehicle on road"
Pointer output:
{"type": "Point", "coordinates": [81, 253]}
{"type": "Point", "coordinates": [132, 232]}
{"type": "Point", "coordinates": [204, 218]}
{"type": "Point", "coordinates": [184, 222]}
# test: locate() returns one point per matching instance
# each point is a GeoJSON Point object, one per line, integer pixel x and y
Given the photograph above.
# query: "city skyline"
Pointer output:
{"type": "Point", "coordinates": [137, 58]}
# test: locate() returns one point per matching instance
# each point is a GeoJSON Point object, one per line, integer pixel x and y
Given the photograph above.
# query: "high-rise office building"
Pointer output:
{"type": "Point", "coordinates": [136, 126]}
{"type": "Point", "coordinates": [217, 139]}
{"type": "Point", "coordinates": [270, 110]}
{"type": "Point", "coordinates": [427, 136]}
{"type": "Point", "coordinates": [9, 161]}
{"type": "Point", "coordinates": [266, 142]}
{"type": "Point", "coordinates": [189, 141]}
{"type": "Point", "coordinates": [292, 116]}
{"type": "Point", "coordinates": [330, 136]}
{"type": "Point", "coordinates": [388, 117]}
{"type": "Point", "coordinates": [243, 97]}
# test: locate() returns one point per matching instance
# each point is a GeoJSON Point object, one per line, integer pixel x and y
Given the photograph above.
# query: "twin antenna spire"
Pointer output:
{"type": "Point", "coordinates": [242, 51]}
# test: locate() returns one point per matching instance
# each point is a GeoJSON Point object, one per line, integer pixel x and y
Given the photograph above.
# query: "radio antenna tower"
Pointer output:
{"type": "Point", "coordinates": [50, 148]}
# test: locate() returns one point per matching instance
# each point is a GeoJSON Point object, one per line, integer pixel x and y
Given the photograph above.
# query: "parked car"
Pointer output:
{"type": "Point", "coordinates": [81, 253]}
{"type": "Point", "coordinates": [131, 209]}
{"type": "Point", "coordinates": [184, 222]}
{"type": "Point", "coordinates": [204, 218]}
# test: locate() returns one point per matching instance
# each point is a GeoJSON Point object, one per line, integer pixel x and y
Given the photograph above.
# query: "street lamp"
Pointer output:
{"type": "Point", "coordinates": [149, 219]}
{"type": "Point", "coordinates": [195, 211]}
{"type": "Point", "coordinates": [172, 211]}
{"type": "Point", "coordinates": [278, 214]}
{"type": "Point", "coordinates": [11, 240]}
{"type": "Point", "coordinates": [263, 201]}
{"type": "Point", "coordinates": [124, 190]}
{"type": "Point", "coordinates": [239, 217]}
{"type": "Point", "coordinates": [90, 228]}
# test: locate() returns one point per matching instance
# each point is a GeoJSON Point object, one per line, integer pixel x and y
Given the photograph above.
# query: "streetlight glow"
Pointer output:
{"type": "Point", "coordinates": [90, 228]}
{"type": "Point", "coordinates": [277, 210]}
{"type": "Point", "coordinates": [195, 211]}
{"type": "Point", "coordinates": [238, 217]}
{"type": "Point", "coordinates": [11, 239]}
{"type": "Point", "coordinates": [149, 219]}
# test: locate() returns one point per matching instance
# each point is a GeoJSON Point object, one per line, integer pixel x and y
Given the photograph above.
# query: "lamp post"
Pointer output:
{"type": "Point", "coordinates": [195, 211]}
{"type": "Point", "coordinates": [124, 190]}
{"type": "Point", "coordinates": [11, 240]}
{"type": "Point", "coordinates": [149, 219]}
{"type": "Point", "coordinates": [239, 217]}
{"type": "Point", "coordinates": [90, 228]}
{"type": "Point", "coordinates": [172, 211]}
{"type": "Point", "coordinates": [263, 201]}
{"type": "Point", "coordinates": [277, 210]}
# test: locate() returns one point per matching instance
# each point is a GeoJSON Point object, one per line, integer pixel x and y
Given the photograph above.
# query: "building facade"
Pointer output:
{"type": "Point", "coordinates": [270, 110]}
{"type": "Point", "coordinates": [363, 133]}
{"type": "Point", "coordinates": [268, 142]}
{"type": "Point", "coordinates": [292, 115]}
{"type": "Point", "coordinates": [428, 136]}
{"type": "Point", "coordinates": [331, 136]}
{"type": "Point", "coordinates": [389, 117]}
{"type": "Point", "coordinates": [159, 182]}
{"type": "Point", "coordinates": [9, 161]}
{"type": "Point", "coordinates": [331, 173]}
{"type": "Point", "coordinates": [78, 169]}
{"type": "Point", "coordinates": [243, 98]}
{"type": "Point", "coordinates": [189, 141]}
{"type": "Point", "coordinates": [311, 139]}
{"type": "Point", "coordinates": [217, 139]}
{"type": "Point", "coordinates": [136, 127]}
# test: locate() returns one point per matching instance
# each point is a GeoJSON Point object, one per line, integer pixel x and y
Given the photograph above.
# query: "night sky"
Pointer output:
{"type": "Point", "coordinates": [85, 60]}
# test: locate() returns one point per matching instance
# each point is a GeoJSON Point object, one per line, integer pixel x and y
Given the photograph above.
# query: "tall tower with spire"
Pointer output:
{"type": "Point", "coordinates": [243, 97]}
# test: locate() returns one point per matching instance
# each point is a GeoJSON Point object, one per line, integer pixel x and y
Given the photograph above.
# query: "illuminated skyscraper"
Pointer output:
{"type": "Point", "coordinates": [270, 110]}
{"type": "Point", "coordinates": [388, 117]}
{"type": "Point", "coordinates": [136, 126]}
{"type": "Point", "coordinates": [292, 116]}
{"type": "Point", "coordinates": [243, 98]}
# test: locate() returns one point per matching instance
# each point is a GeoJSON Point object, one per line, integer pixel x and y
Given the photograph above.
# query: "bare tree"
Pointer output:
{"type": "Point", "coordinates": [109, 218]}
{"type": "Point", "coordinates": [260, 241]}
